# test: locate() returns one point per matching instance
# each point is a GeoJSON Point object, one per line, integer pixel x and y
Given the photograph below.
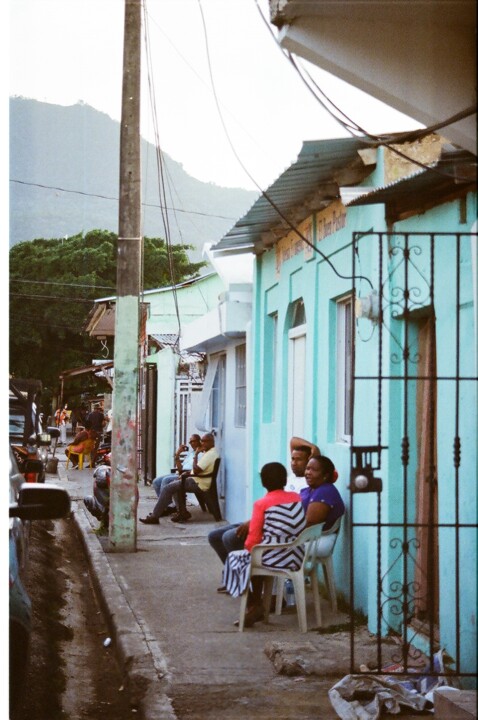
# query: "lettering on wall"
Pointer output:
{"type": "Point", "coordinates": [328, 221]}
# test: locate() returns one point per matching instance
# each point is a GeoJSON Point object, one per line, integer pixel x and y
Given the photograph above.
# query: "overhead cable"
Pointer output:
{"type": "Point", "coordinates": [115, 199]}
{"type": "Point", "coordinates": [63, 284]}
{"type": "Point", "coordinates": [160, 166]}
{"type": "Point", "coordinates": [253, 180]}
{"type": "Point", "coordinates": [356, 130]}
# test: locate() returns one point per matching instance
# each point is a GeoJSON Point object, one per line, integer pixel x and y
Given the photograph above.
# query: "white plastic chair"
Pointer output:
{"type": "Point", "coordinates": [309, 538]}
{"type": "Point", "coordinates": [324, 553]}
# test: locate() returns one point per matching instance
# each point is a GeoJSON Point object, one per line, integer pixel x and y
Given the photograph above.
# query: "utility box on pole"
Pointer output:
{"type": "Point", "coordinates": [124, 456]}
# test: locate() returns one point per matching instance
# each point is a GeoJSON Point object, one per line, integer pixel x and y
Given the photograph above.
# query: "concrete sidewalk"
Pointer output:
{"type": "Point", "coordinates": [175, 635]}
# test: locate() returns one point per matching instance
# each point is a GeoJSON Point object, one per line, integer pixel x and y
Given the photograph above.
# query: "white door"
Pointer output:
{"type": "Point", "coordinates": [296, 384]}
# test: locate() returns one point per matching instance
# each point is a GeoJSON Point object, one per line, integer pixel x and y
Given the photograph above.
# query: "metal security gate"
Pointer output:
{"type": "Point", "coordinates": [413, 512]}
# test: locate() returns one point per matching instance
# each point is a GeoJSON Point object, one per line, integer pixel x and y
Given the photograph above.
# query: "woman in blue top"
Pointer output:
{"type": "Point", "coordinates": [321, 499]}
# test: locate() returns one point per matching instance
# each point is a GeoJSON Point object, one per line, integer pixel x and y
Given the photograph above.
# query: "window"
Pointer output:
{"type": "Point", "coordinates": [297, 374]}
{"type": "Point", "coordinates": [240, 409]}
{"type": "Point", "coordinates": [344, 370]}
{"type": "Point", "coordinates": [269, 367]}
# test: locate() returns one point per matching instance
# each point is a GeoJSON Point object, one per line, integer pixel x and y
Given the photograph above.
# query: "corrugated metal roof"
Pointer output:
{"type": "Point", "coordinates": [316, 165]}
{"type": "Point", "coordinates": [456, 168]}
{"type": "Point", "coordinates": [168, 288]}
{"type": "Point", "coordinates": [165, 338]}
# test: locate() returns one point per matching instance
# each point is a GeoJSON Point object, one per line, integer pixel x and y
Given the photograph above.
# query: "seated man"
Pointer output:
{"type": "Point", "coordinates": [183, 459]}
{"type": "Point", "coordinates": [231, 537]}
{"type": "Point", "coordinates": [300, 451]}
{"type": "Point", "coordinates": [199, 479]}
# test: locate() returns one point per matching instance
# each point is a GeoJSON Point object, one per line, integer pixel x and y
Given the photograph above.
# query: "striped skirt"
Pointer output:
{"type": "Point", "coordinates": [282, 524]}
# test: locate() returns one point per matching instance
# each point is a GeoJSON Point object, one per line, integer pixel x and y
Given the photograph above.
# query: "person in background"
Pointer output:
{"type": "Point", "coordinates": [202, 466]}
{"type": "Point", "coordinates": [61, 418]}
{"type": "Point", "coordinates": [96, 419]}
{"type": "Point", "coordinates": [183, 460]}
{"type": "Point", "coordinates": [78, 443]}
{"type": "Point", "coordinates": [74, 417]}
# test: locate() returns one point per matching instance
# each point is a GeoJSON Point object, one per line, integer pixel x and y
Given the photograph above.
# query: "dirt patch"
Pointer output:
{"type": "Point", "coordinates": [71, 673]}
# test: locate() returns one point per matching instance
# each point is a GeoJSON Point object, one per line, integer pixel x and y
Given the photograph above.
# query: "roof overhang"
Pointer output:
{"type": "Point", "coordinates": [98, 368]}
{"type": "Point", "coordinates": [452, 176]}
{"type": "Point", "coordinates": [310, 184]}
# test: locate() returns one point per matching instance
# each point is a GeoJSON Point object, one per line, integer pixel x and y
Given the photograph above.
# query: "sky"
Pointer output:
{"type": "Point", "coordinates": [66, 51]}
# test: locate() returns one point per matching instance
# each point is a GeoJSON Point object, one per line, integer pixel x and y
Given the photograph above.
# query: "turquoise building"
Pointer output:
{"type": "Point", "coordinates": [364, 341]}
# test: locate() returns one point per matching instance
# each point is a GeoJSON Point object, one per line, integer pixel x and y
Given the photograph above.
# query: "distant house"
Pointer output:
{"type": "Point", "coordinates": [364, 340]}
{"type": "Point", "coordinates": [170, 381]}
{"type": "Point", "coordinates": [222, 335]}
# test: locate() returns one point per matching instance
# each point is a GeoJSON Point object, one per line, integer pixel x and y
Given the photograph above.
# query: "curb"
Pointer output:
{"type": "Point", "coordinates": [146, 672]}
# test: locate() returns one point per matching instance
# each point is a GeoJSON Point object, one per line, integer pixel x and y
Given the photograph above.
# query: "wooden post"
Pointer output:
{"type": "Point", "coordinates": [124, 463]}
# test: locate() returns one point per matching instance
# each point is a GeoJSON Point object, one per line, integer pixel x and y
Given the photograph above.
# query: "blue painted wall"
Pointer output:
{"type": "Point", "coordinates": [282, 278]}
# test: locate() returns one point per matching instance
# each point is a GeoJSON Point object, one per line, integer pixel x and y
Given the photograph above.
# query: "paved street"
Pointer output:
{"type": "Point", "coordinates": [176, 633]}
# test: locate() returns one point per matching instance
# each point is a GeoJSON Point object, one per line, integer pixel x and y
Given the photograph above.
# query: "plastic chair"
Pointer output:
{"type": "Point", "coordinates": [209, 499]}
{"type": "Point", "coordinates": [325, 552]}
{"type": "Point", "coordinates": [88, 451]}
{"type": "Point", "coordinates": [325, 549]}
{"type": "Point", "coordinates": [309, 538]}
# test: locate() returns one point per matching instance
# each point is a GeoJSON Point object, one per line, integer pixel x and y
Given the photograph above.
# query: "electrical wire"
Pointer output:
{"type": "Point", "coordinates": [253, 180]}
{"type": "Point", "coordinates": [356, 130]}
{"type": "Point", "coordinates": [62, 284]}
{"type": "Point", "coordinates": [115, 199]}
{"type": "Point", "coordinates": [52, 297]}
{"type": "Point", "coordinates": [208, 87]}
{"type": "Point", "coordinates": [388, 141]}
{"type": "Point", "coordinates": [160, 166]}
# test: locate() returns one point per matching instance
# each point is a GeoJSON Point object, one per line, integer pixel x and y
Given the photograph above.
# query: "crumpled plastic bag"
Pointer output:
{"type": "Point", "coordinates": [364, 697]}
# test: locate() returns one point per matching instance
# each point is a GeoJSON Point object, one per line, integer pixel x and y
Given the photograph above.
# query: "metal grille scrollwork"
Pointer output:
{"type": "Point", "coordinates": [414, 408]}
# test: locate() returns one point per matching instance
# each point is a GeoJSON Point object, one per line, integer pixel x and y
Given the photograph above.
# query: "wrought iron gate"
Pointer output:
{"type": "Point", "coordinates": [413, 484]}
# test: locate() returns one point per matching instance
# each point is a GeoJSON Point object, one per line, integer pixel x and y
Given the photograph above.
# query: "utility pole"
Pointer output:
{"type": "Point", "coordinates": [124, 463]}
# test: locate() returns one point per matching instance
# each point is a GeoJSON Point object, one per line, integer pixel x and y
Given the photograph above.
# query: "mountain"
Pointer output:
{"type": "Point", "coordinates": [64, 179]}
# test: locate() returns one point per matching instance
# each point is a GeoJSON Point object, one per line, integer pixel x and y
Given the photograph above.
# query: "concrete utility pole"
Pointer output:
{"type": "Point", "coordinates": [124, 464]}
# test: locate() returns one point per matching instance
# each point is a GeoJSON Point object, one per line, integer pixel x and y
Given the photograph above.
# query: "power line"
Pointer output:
{"type": "Point", "coordinates": [115, 199]}
{"type": "Point", "coordinates": [63, 284]}
{"type": "Point", "coordinates": [53, 297]}
{"type": "Point", "coordinates": [263, 192]}
{"type": "Point", "coordinates": [356, 130]}
{"type": "Point", "coordinates": [160, 166]}
{"type": "Point", "coordinates": [386, 141]}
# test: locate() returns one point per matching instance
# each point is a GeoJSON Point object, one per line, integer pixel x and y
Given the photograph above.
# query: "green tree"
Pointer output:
{"type": "Point", "coordinates": [53, 284]}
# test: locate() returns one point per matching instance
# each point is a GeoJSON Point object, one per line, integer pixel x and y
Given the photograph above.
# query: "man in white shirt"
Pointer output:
{"type": "Point", "coordinates": [300, 452]}
{"type": "Point", "coordinates": [183, 460]}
